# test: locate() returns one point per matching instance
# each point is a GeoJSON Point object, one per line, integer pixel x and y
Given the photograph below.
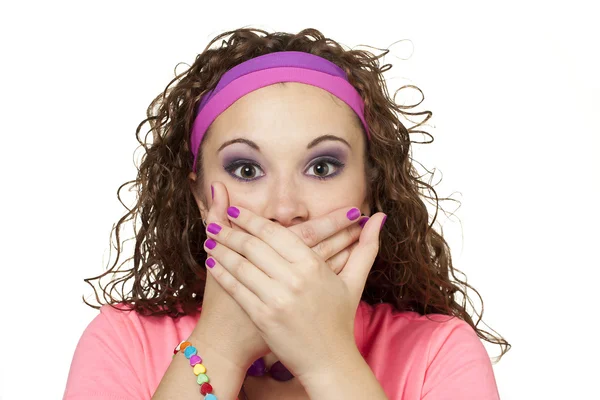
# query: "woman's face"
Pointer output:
{"type": "Point", "coordinates": [288, 153]}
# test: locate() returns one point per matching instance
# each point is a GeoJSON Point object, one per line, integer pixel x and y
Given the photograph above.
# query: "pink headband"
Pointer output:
{"type": "Point", "coordinates": [268, 69]}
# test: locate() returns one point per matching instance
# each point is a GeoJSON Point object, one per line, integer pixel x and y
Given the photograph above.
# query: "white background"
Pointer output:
{"type": "Point", "coordinates": [514, 92]}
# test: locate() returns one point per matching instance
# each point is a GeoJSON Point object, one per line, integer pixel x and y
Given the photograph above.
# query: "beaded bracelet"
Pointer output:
{"type": "Point", "coordinates": [191, 353]}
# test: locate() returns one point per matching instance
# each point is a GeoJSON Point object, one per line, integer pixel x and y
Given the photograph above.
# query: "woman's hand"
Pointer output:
{"type": "Point", "coordinates": [331, 237]}
{"type": "Point", "coordinates": [223, 324]}
{"type": "Point", "coordinates": [303, 310]}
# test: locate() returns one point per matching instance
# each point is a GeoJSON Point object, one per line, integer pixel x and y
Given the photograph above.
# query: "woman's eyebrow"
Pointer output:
{"type": "Point", "coordinates": [322, 138]}
{"type": "Point", "coordinates": [312, 144]}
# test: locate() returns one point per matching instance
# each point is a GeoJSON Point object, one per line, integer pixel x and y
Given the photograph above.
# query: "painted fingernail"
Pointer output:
{"type": "Point", "coordinates": [382, 222]}
{"type": "Point", "coordinates": [363, 221]}
{"type": "Point", "coordinates": [213, 228]}
{"type": "Point", "coordinates": [353, 214]}
{"type": "Point", "coordinates": [210, 244]}
{"type": "Point", "coordinates": [212, 192]}
{"type": "Point", "coordinates": [210, 262]}
{"type": "Point", "coordinates": [233, 212]}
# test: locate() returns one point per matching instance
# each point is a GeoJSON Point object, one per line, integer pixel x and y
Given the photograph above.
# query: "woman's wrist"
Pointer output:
{"type": "Point", "coordinates": [225, 370]}
{"type": "Point", "coordinates": [220, 351]}
{"type": "Point", "coordinates": [226, 343]}
{"type": "Point", "coordinates": [349, 377]}
{"type": "Point", "coordinates": [343, 358]}
{"type": "Point", "coordinates": [214, 370]}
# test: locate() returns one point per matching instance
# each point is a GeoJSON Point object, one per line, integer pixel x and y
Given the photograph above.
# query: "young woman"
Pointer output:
{"type": "Point", "coordinates": [284, 250]}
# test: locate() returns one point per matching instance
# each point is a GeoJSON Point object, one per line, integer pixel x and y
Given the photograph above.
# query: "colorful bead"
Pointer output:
{"type": "Point", "coordinates": [183, 345]}
{"type": "Point", "coordinates": [195, 359]}
{"type": "Point", "coordinates": [279, 372]}
{"type": "Point", "coordinates": [190, 351]}
{"type": "Point", "coordinates": [199, 369]}
{"type": "Point", "coordinates": [201, 379]}
{"type": "Point", "coordinates": [206, 388]}
{"type": "Point", "coordinates": [258, 368]}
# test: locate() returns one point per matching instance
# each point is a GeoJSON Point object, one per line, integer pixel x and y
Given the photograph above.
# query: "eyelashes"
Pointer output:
{"type": "Point", "coordinates": [242, 166]}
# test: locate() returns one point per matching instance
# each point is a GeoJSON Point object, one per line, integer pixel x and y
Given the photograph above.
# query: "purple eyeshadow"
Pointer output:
{"type": "Point", "coordinates": [334, 152]}
{"type": "Point", "coordinates": [236, 156]}
{"type": "Point", "coordinates": [240, 156]}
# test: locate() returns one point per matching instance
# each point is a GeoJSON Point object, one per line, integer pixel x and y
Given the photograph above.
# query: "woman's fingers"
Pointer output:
{"type": "Point", "coordinates": [339, 241]}
{"type": "Point", "coordinates": [246, 298]}
{"type": "Point", "coordinates": [286, 241]}
{"type": "Point", "coordinates": [318, 229]}
{"type": "Point", "coordinates": [225, 246]}
{"type": "Point", "coordinates": [326, 235]}
{"type": "Point", "coordinates": [338, 261]}
{"type": "Point", "coordinates": [250, 260]}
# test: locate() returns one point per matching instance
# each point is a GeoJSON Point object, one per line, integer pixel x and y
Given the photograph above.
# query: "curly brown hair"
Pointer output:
{"type": "Point", "coordinates": [413, 270]}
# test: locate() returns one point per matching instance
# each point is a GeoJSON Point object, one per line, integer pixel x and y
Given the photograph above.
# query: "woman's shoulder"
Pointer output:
{"type": "Point", "coordinates": [383, 323]}
{"type": "Point", "coordinates": [121, 316]}
{"type": "Point", "coordinates": [375, 315]}
{"type": "Point", "coordinates": [127, 351]}
{"type": "Point", "coordinates": [142, 339]}
{"type": "Point", "coordinates": [418, 356]}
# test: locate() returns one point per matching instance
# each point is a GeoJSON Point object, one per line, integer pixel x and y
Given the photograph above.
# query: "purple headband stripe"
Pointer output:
{"type": "Point", "coordinates": [278, 59]}
{"type": "Point", "coordinates": [245, 78]}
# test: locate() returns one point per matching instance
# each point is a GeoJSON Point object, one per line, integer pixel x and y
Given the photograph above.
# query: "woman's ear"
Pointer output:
{"type": "Point", "coordinates": [201, 200]}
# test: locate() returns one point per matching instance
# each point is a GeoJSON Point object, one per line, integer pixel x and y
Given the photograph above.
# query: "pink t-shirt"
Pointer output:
{"type": "Point", "coordinates": [123, 355]}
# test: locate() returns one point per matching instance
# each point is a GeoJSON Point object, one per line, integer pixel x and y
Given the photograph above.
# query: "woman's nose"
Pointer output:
{"type": "Point", "coordinates": [286, 207]}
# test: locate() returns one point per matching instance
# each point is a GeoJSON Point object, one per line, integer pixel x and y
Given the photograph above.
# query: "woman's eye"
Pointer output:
{"type": "Point", "coordinates": [246, 171]}
{"type": "Point", "coordinates": [323, 170]}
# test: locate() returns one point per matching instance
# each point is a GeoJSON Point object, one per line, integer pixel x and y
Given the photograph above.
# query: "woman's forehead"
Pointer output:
{"type": "Point", "coordinates": [298, 112]}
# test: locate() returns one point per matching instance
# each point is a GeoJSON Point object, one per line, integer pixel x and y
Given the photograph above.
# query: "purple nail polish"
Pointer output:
{"type": "Point", "coordinates": [363, 221]}
{"type": "Point", "coordinates": [382, 222]}
{"type": "Point", "coordinates": [210, 244]}
{"type": "Point", "coordinates": [210, 262]}
{"type": "Point", "coordinates": [212, 192]}
{"type": "Point", "coordinates": [353, 214]}
{"type": "Point", "coordinates": [233, 212]}
{"type": "Point", "coordinates": [213, 228]}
